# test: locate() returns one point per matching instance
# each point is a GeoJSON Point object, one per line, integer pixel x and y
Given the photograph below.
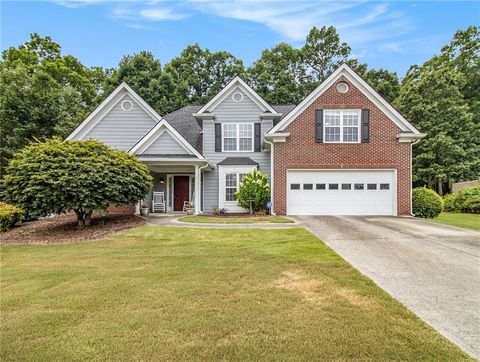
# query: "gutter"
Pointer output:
{"type": "Point", "coordinates": [411, 176]}
{"type": "Point", "coordinates": [272, 210]}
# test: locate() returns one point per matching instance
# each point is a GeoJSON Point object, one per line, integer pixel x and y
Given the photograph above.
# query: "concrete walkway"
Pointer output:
{"type": "Point", "coordinates": [172, 220]}
{"type": "Point", "coordinates": [431, 268]}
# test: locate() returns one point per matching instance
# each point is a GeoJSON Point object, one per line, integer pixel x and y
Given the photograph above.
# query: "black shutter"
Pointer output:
{"type": "Point", "coordinates": [319, 125]}
{"type": "Point", "coordinates": [258, 136]}
{"type": "Point", "coordinates": [218, 137]}
{"type": "Point", "coordinates": [365, 125]}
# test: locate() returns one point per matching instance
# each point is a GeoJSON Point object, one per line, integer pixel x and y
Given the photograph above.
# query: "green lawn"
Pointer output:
{"type": "Point", "coordinates": [166, 293]}
{"type": "Point", "coordinates": [236, 220]}
{"type": "Point", "coordinates": [467, 221]}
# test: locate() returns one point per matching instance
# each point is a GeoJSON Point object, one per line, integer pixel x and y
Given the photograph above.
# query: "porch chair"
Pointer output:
{"type": "Point", "coordinates": [158, 202]}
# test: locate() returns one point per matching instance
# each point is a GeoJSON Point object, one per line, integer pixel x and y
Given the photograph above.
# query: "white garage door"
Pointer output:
{"type": "Point", "coordinates": [341, 192]}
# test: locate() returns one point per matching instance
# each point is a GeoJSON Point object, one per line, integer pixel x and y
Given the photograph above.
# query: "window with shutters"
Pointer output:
{"type": "Point", "coordinates": [341, 126]}
{"type": "Point", "coordinates": [237, 137]}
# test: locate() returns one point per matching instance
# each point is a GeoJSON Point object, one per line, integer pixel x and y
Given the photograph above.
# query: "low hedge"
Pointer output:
{"type": "Point", "coordinates": [467, 200]}
{"type": "Point", "coordinates": [426, 203]}
{"type": "Point", "coordinates": [9, 216]}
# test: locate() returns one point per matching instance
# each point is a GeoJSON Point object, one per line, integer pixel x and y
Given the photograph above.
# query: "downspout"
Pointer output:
{"type": "Point", "coordinates": [411, 176]}
{"type": "Point", "coordinates": [200, 189]}
{"type": "Point", "coordinates": [272, 210]}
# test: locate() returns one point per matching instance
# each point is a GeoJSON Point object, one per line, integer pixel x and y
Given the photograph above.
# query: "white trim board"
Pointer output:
{"type": "Point", "coordinates": [228, 89]}
{"type": "Point", "coordinates": [106, 106]}
{"type": "Point", "coordinates": [357, 81]}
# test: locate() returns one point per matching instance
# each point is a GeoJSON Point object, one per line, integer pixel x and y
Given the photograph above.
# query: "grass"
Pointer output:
{"type": "Point", "coordinates": [236, 220]}
{"type": "Point", "coordinates": [467, 221]}
{"type": "Point", "coordinates": [166, 293]}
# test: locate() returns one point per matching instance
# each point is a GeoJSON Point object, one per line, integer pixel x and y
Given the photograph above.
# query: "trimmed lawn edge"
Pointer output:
{"type": "Point", "coordinates": [267, 219]}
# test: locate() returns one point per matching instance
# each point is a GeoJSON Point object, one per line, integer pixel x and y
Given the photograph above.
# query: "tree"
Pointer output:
{"type": "Point", "coordinates": [278, 76]}
{"type": "Point", "coordinates": [205, 72]}
{"type": "Point", "coordinates": [431, 98]}
{"type": "Point", "coordinates": [42, 93]}
{"type": "Point", "coordinates": [83, 176]}
{"type": "Point", "coordinates": [384, 82]}
{"type": "Point", "coordinates": [254, 191]}
{"type": "Point", "coordinates": [323, 52]}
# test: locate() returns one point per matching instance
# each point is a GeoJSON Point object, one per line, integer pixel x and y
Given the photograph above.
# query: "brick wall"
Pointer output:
{"type": "Point", "coordinates": [383, 151]}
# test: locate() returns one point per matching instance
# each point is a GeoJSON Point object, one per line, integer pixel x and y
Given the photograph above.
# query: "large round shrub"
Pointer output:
{"type": "Point", "coordinates": [450, 203]}
{"type": "Point", "coordinates": [9, 216]}
{"type": "Point", "coordinates": [55, 177]}
{"type": "Point", "coordinates": [254, 191]}
{"type": "Point", "coordinates": [426, 203]}
{"type": "Point", "coordinates": [462, 201]}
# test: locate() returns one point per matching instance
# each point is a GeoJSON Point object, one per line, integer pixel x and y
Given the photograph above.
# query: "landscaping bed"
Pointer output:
{"type": "Point", "coordinates": [236, 219]}
{"type": "Point", "coordinates": [62, 229]}
{"type": "Point", "coordinates": [181, 294]}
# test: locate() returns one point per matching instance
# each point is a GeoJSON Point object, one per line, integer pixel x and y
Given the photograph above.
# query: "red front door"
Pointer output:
{"type": "Point", "coordinates": [180, 192]}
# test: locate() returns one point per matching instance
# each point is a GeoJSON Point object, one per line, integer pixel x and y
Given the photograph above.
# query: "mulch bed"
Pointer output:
{"type": "Point", "coordinates": [62, 229]}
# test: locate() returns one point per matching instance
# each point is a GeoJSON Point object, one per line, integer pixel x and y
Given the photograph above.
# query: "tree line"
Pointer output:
{"type": "Point", "coordinates": [45, 94]}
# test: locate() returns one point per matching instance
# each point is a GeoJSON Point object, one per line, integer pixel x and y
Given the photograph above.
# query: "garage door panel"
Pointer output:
{"type": "Point", "coordinates": [354, 201]}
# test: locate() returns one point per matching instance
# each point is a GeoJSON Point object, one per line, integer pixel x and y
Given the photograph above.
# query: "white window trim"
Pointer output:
{"type": "Point", "coordinates": [358, 111]}
{"type": "Point", "coordinates": [231, 206]}
{"type": "Point", "coordinates": [237, 125]}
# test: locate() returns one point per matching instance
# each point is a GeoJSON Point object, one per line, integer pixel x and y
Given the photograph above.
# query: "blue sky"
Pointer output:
{"type": "Point", "coordinates": [391, 35]}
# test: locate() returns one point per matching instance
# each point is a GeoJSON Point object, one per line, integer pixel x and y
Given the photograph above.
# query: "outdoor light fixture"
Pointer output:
{"type": "Point", "coordinates": [162, 180]}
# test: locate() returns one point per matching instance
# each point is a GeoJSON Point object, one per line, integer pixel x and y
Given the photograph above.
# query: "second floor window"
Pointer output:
{"type": "Point", "coordinates": [238, 137]}
{"type": "Point", "coordinates": [342, 126]}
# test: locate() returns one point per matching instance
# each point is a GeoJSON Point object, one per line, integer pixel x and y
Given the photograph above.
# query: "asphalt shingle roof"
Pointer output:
{"type": "Point", "coordinates": [191, 129]}
{"type": "Point", "coordinates": [238, 161]}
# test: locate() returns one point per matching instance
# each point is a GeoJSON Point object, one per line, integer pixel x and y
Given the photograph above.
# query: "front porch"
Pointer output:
{"type": "Point", "coordinates": [179, 182]}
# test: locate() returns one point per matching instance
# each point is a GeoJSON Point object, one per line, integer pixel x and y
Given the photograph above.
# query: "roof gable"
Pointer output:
{"type": "Point", "coordinates": [236, 82]}
{"type": "Point", "coordinates": [107, 105]}
{"type": "Point", "coordinates": [347, 72]}
{"type": "Point", "coordinates": [164, 139]}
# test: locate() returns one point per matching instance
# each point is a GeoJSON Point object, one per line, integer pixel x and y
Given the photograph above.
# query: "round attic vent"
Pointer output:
{"type": "Point", "coordinates": [237, 97]}
{"type": "Point", "coordinates": [342, 87]}
{"type": "Point", "coordinates": [127, 105]}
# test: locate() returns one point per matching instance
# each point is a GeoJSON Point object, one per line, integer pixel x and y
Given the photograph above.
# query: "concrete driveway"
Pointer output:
{"type": "Point", "coordinates": [431, 268]}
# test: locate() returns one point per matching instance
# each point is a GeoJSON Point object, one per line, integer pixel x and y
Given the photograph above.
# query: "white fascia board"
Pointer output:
{"type": "Point", "coordinates": [156, 131]}
{"type": "Point", "coordinates": [277, 137]}
{"type": "Point", "coordinates": [204, 116]}
{"type": "Point", "coordinates": [105, 107]}
{"type": "Point", "coordinates": [357, 81]}
{"type": "Point", "coordinates": [410, 137]}
{"type": "Point", "coordinates": [230, 86]}
{"type": "Point", "coordinates": [174, 161]}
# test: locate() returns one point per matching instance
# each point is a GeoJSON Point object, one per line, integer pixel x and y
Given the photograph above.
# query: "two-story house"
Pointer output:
{"type": "Point", "coordinates": [342, 151]}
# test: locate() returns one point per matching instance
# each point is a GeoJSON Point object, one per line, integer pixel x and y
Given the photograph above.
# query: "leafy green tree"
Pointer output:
{"type": "Point", "coordinates": [386, 83]}
{"type": "Point", "coordinates": [143, 72]}
{"type": "Point", "coordinates": [431, 98]}
{"type": "Point", "coordinates": [279, 74]}
{"type": "Point", "coordinates": [204, 72]}
{"type": "Point", "coordinates": [323, 52]}
{"type": "Point", "coordinates": [83, 176]}
{"type": "Point", "coordinates": [254, 191]}
{"type": "Point", "coordinates": [42, 93]}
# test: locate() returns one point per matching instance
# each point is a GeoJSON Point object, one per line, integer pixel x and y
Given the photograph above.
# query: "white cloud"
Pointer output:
{"type": "Point", "coordinates": [155, 14]}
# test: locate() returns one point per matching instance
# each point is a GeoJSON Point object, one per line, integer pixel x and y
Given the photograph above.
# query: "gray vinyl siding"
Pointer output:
{"type": "Point", "coordinates": [121, 129]}
{"type": "Point", "coordinates": [230, 111]}
{"type": "Point", "coordinates": [165, 144]}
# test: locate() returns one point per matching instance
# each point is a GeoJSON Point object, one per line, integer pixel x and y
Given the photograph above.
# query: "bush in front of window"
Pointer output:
{"type": "Point", "coordinates": [426, 203]}
{"type": "Point", "coordinates": [254, 192]}
{"type": "Point", "coordinates": [466, 200]}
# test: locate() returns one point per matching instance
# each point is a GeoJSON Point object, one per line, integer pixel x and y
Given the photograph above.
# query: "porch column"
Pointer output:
{"type": "Point", "coordinates": [196, 200]}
